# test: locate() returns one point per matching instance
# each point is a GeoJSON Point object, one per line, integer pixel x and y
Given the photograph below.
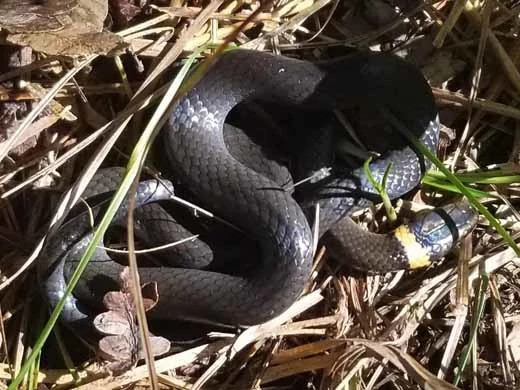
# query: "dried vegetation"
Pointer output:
{"type": "Point", "coordinates": [61, 115]}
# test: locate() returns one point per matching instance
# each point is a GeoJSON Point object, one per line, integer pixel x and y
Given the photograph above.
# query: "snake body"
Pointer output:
{"type": "Point", "coordinates": [196, 150]}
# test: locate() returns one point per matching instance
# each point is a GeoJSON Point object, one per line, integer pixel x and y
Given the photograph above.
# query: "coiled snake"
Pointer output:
{"type": "Point", "coordinates": [194, 143]}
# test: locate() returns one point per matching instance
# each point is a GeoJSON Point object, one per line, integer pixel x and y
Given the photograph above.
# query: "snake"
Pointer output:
{"type": "Point", "coordinates": [194, 148]}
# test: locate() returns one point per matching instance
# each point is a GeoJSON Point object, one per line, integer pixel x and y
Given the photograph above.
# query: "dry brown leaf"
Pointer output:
{"type": "Point", "coordinates": [116, 301]}
{"type": "Point", "coordinates": [54, 107]}
{"type": "Point", "coordinates": [124, 348]}
{"type": "Point", "coordinates": [442, 67]}
{"type": "Point", "coordinates": [121, 344]}
{"type": "Point", "coordinates": [119, 348]}
{"type": "Point", "coordinates": [159, 345]}
{"type": "Point", "coordinates": [27, 15]}
{"type": "Point", "coordinates": [59, 27]}
{"type": "Point", "coordinates": [150, 293]}
{"type": "Point", "coordinates": [111, 323]}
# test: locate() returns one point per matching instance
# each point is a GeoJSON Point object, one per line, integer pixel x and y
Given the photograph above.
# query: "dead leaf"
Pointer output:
{"type": "Point", "coordinates": [9, 113]}
{"type": "Point", "coordinates": [442, 67]}
{"type": "Point", "coordinates": [150, 293]}
{"type": "Point", "coordinates": [119, 348]}
{"type": "Point", "coordinates": [111, 323]}
{"type": "Point", "coordinates": [59, 27]}
{"type": "Point", "coordinates": [126, 347]}
{"type": "Point", "coordinates": [28, 15]}
{"type": "Point", "coordinates": [125, 350]}
{"type": "Point", "coordinates": [116, 301]}
{"type": "Point", "coordinates": [71, 45]}
{"type": "Point", "coordinates": [121, 345]}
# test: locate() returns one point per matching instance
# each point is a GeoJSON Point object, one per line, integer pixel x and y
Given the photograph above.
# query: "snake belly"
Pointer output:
{"type": "Point", "coordinates": [195, 149]}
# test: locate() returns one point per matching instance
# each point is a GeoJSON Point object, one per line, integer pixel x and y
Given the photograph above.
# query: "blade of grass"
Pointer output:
{"type": "Point", "coordinates": [71, 196]}
{"type": "Point", "coordinates": [486, 177]}
{"type": "Point", "coordinates": [156, 123]}
{"type": "Point", "coordinates": [139, 152]}
{"type": "Point", "coordinates": [130, 174]}
{"type": "Point", "coordinates": [381, 188]}
{"type": "Point", "coordinates": [67, 359]}
{"type": "Point", "coordinates": [448, 186]}
{"type": "Point", "coordinates": [479, 311]}
{"type": "Point", "coordinates": [134, 167]}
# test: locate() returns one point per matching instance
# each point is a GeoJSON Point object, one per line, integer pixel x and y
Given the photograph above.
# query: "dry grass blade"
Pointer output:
{"type": "Point", "coordinates": [500, 332]}
{"type": "Point", "coordinates": [20, 132]}
{"type": "Point", "coordinates": [460, 310]}
{"type": "Point", "coordinates": [449, 23]}
{"type": "Point", "coordinates": [141, 372]}
{"type": "Point", "coordinates": [291, 24]}
{"type": "Point", "coordinates": [444, 97]}
{"type": "Point", "coordinates": [305, 350]}
{"type": "Point", "coordinates": [175, 51]}
{"type": "Point", "coordinates": [268, 329]}
{"type": "Point", "coordinates": [408, 365]}
{"type": "Point", "coordinates": [475, 85]}
{"type": "Point", "coordinates": [191, 12]}
{"type": "Point", "coordinates": [298, 366]}
{"type": "Point", "coordinates": [505, 61]}
{"type": "Point", "coordinates": [96, 376]}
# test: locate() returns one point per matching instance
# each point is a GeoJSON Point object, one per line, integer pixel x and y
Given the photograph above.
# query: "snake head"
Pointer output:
{"type": "Point", "coordinates": [436, 231]}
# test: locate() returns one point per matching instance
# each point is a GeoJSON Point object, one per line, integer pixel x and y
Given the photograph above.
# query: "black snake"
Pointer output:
{"type": "Point", "coordinates": [194, 143]}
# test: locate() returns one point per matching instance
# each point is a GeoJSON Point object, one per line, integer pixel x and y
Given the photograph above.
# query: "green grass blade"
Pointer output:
{"type": "Point", "coordinates": [446, 185]}
{"type": "Point", "coordinates": [381, 188]}
{"type": "Point", "coordinates": [484, 177]}
{"type": "Point", "coordinates": [138, 154]}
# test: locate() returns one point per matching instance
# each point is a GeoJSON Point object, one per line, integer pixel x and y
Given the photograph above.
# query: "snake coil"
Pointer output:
{"type": "Point", "coordinates": [195, 148]}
